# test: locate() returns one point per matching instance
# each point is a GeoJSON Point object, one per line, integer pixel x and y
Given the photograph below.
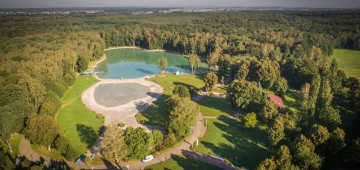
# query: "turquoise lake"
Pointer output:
{"type": "Point", "coordinates": [135, 63]}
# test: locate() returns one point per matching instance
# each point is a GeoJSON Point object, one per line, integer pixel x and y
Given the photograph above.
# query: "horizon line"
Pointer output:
{"type": "Point", "coordinates": [223, 7]}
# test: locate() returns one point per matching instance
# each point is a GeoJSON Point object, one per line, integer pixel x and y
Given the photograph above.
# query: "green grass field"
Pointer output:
{"type": "Point", "coordinates": [15, 141]}
{"type": "Point", "coordinates": [182, 163]}
{"type": "Point", "coordinates": [292, 100]}
{"type": "Point", "coordinates": [221, 89]}
{"type": "Point", "coordinates": [79, 124]}
{"type": "Point", "coordinates": [215, 107]}
{"type": "Point", "coordinates": [157, 114]}
{"type": "Point", "coordinates": [242, 147]}
{"type": "Point", "coordinates": [53, 153]}
{"type": "Point", "coordinates": [348, 61]}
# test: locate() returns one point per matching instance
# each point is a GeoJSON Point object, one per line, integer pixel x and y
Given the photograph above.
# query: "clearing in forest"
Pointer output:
{"type": "Point", "coordinates": [348, 61]}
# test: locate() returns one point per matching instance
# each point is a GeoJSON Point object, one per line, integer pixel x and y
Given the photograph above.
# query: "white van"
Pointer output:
{"type": "Point", "coordinates": [148, 158]}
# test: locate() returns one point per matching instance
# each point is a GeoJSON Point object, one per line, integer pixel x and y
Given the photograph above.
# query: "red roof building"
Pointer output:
{"type": "Point", "coordinates": [277, 100]}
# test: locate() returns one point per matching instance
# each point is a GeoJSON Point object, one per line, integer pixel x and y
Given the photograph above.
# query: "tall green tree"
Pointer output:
{"type": "Point", "coordinates": [41, 130]}
{"type": "Point", "coordinates": [210, 81]}
{"type": "Point", "coordinates": [138, 142]}
{"type": "Point", "coordinates": [304, 154]}
{"type": "Point", "coordinates": [269, 110]}
{"type": "Point", "coordinates": [182, 91]}
{"type": "Point", "coordinates": [213, 58]}
{"type": "Point", "coordinates": [162, 63]}
{"type": "Point", "coordinates": [245, 95]}
{"type": "Point", "coordinates": [82, 63]}
{"type": "Point", "coordinates": [182, 114]}
{"type": "Point", "coordinates": [276, 131]}
{"type": "Point", "coordinates": [319, 134]}
{"type": "Point", "coordinates": [158, 139]}
{"type": "Point", "coordinates": [249, 120]}
{"type": "Point", "coordinates": [194, 62]}
{"type": "Point", "coordinates": [267, 164]}
{"type": "Point", "coordinates": [113, 146]}
{"type": "Point", "coordinates": [283, 157]}
{"type": "Point", "coordinates": [243, 70]}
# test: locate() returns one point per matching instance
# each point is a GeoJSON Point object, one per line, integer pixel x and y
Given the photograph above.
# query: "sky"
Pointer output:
{"type": "Point", "coordinates": [179, 3]}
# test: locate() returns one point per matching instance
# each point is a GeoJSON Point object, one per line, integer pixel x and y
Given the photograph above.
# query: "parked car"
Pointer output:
{"type": "Point", "coordinates": [147, 158]}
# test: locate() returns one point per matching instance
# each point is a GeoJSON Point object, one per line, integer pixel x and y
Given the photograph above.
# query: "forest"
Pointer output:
{"type": "Point", "coordinates": [251, 51]}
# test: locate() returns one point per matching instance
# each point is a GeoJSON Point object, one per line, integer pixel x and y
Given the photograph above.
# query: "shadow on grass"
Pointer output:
{"type": "Point", "coordinates": [248, 146]}
{"type": "Point", "coordinates": [156, 114]}
{"type": "Point", "coordinates": [292, 99]}
{"type": "Point", "coordinates": [192, 164]}
{"type": "Point", "coordinates": [185, 163]}
{"type": "Point", "coordinates": [109, 165]}
{"type": "Point", "coordinates": [192, 89]}
{"type": "Point", "coordinates": [220, 105]}
{"type": "Point", "coordinates": [87, 134]}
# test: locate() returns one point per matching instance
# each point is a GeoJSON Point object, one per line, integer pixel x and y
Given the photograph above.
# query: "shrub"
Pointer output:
{"type": "Point", "coordinates": [249, 120]}
{"type": "Point", "coordinates": [182, 91]}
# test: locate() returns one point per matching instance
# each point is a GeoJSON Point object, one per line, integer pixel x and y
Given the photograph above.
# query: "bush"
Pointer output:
{"type": "Point", "coordinates": [63, 146]}
{"type": "Point", "coordinates": [182, 91]}
{"type": "Point", "coordinates": [249, 121]}
{"type": "Point", "coordinates": [170, 140]}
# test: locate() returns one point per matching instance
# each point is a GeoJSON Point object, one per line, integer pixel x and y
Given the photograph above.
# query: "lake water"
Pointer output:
{"type": "Point", "coordinates": [135, 63]}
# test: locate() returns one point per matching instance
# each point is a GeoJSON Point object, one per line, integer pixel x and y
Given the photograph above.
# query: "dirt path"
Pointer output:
{"type": "Point", "coordinates": [26, 150]}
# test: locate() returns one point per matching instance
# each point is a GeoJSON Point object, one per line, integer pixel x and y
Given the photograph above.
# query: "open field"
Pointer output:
{"type": "Point", "coordinates": [182, 163]}
{"type": "Point", "coordinates": [80, 125]}
{"type": "Point", "coordinates": [348, 61]}
{"type": "Point", "coordinates": [241, 147]}
{"type": "Point", "coordinates": [44, 151]}
{"type": "Point", "coordinates": [15, 141]}
{"type": "Point", "coordinates": [215, 107]}
{"type": "Point", "coordinates": [221, 89]}
{"type": "Point", "coordinates": [292, 100]}
{"type": "Point", "coordinates": [157, 114]}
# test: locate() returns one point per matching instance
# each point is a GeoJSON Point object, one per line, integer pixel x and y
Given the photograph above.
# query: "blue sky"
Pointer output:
{"type": "Point", "coordinates": [179, 3]}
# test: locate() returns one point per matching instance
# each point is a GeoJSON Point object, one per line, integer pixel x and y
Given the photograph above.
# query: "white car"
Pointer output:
{"type": "Point", "coordinates": [148, 158]}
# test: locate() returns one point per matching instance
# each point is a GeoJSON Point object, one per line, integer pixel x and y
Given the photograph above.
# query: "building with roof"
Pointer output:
{"type": "Point", "coordinates": [277, 100]}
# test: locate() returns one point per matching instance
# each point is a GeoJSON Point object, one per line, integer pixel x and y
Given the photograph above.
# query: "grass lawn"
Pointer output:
{"type": "Point", "coordinates": [292, 100]}
{"type": "Point", "coordinates": [14, 141]}
{"type": "Point", "coordinates": [349, 61]}
{"type": "Point", "coordinates": [221, 89]}
{"type": "Point", "coordinates": [157, 114]}
{"type": "Point", "coordinates": [182, 163]}
{"type": "Point", "coordinates": [242, 147]}
{"type": "Point", "coordinates": [79, 124]}
{"type": "Point", "coordinates": [210, 106]}
{"type": "Point", "coordinates": [53, 153]}
{"type": "Point", "coordinates": [94, 162]}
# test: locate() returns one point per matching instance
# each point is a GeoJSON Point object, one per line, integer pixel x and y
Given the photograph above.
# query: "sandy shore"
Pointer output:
{"type": "Point", "coordinates": [120, 47]}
